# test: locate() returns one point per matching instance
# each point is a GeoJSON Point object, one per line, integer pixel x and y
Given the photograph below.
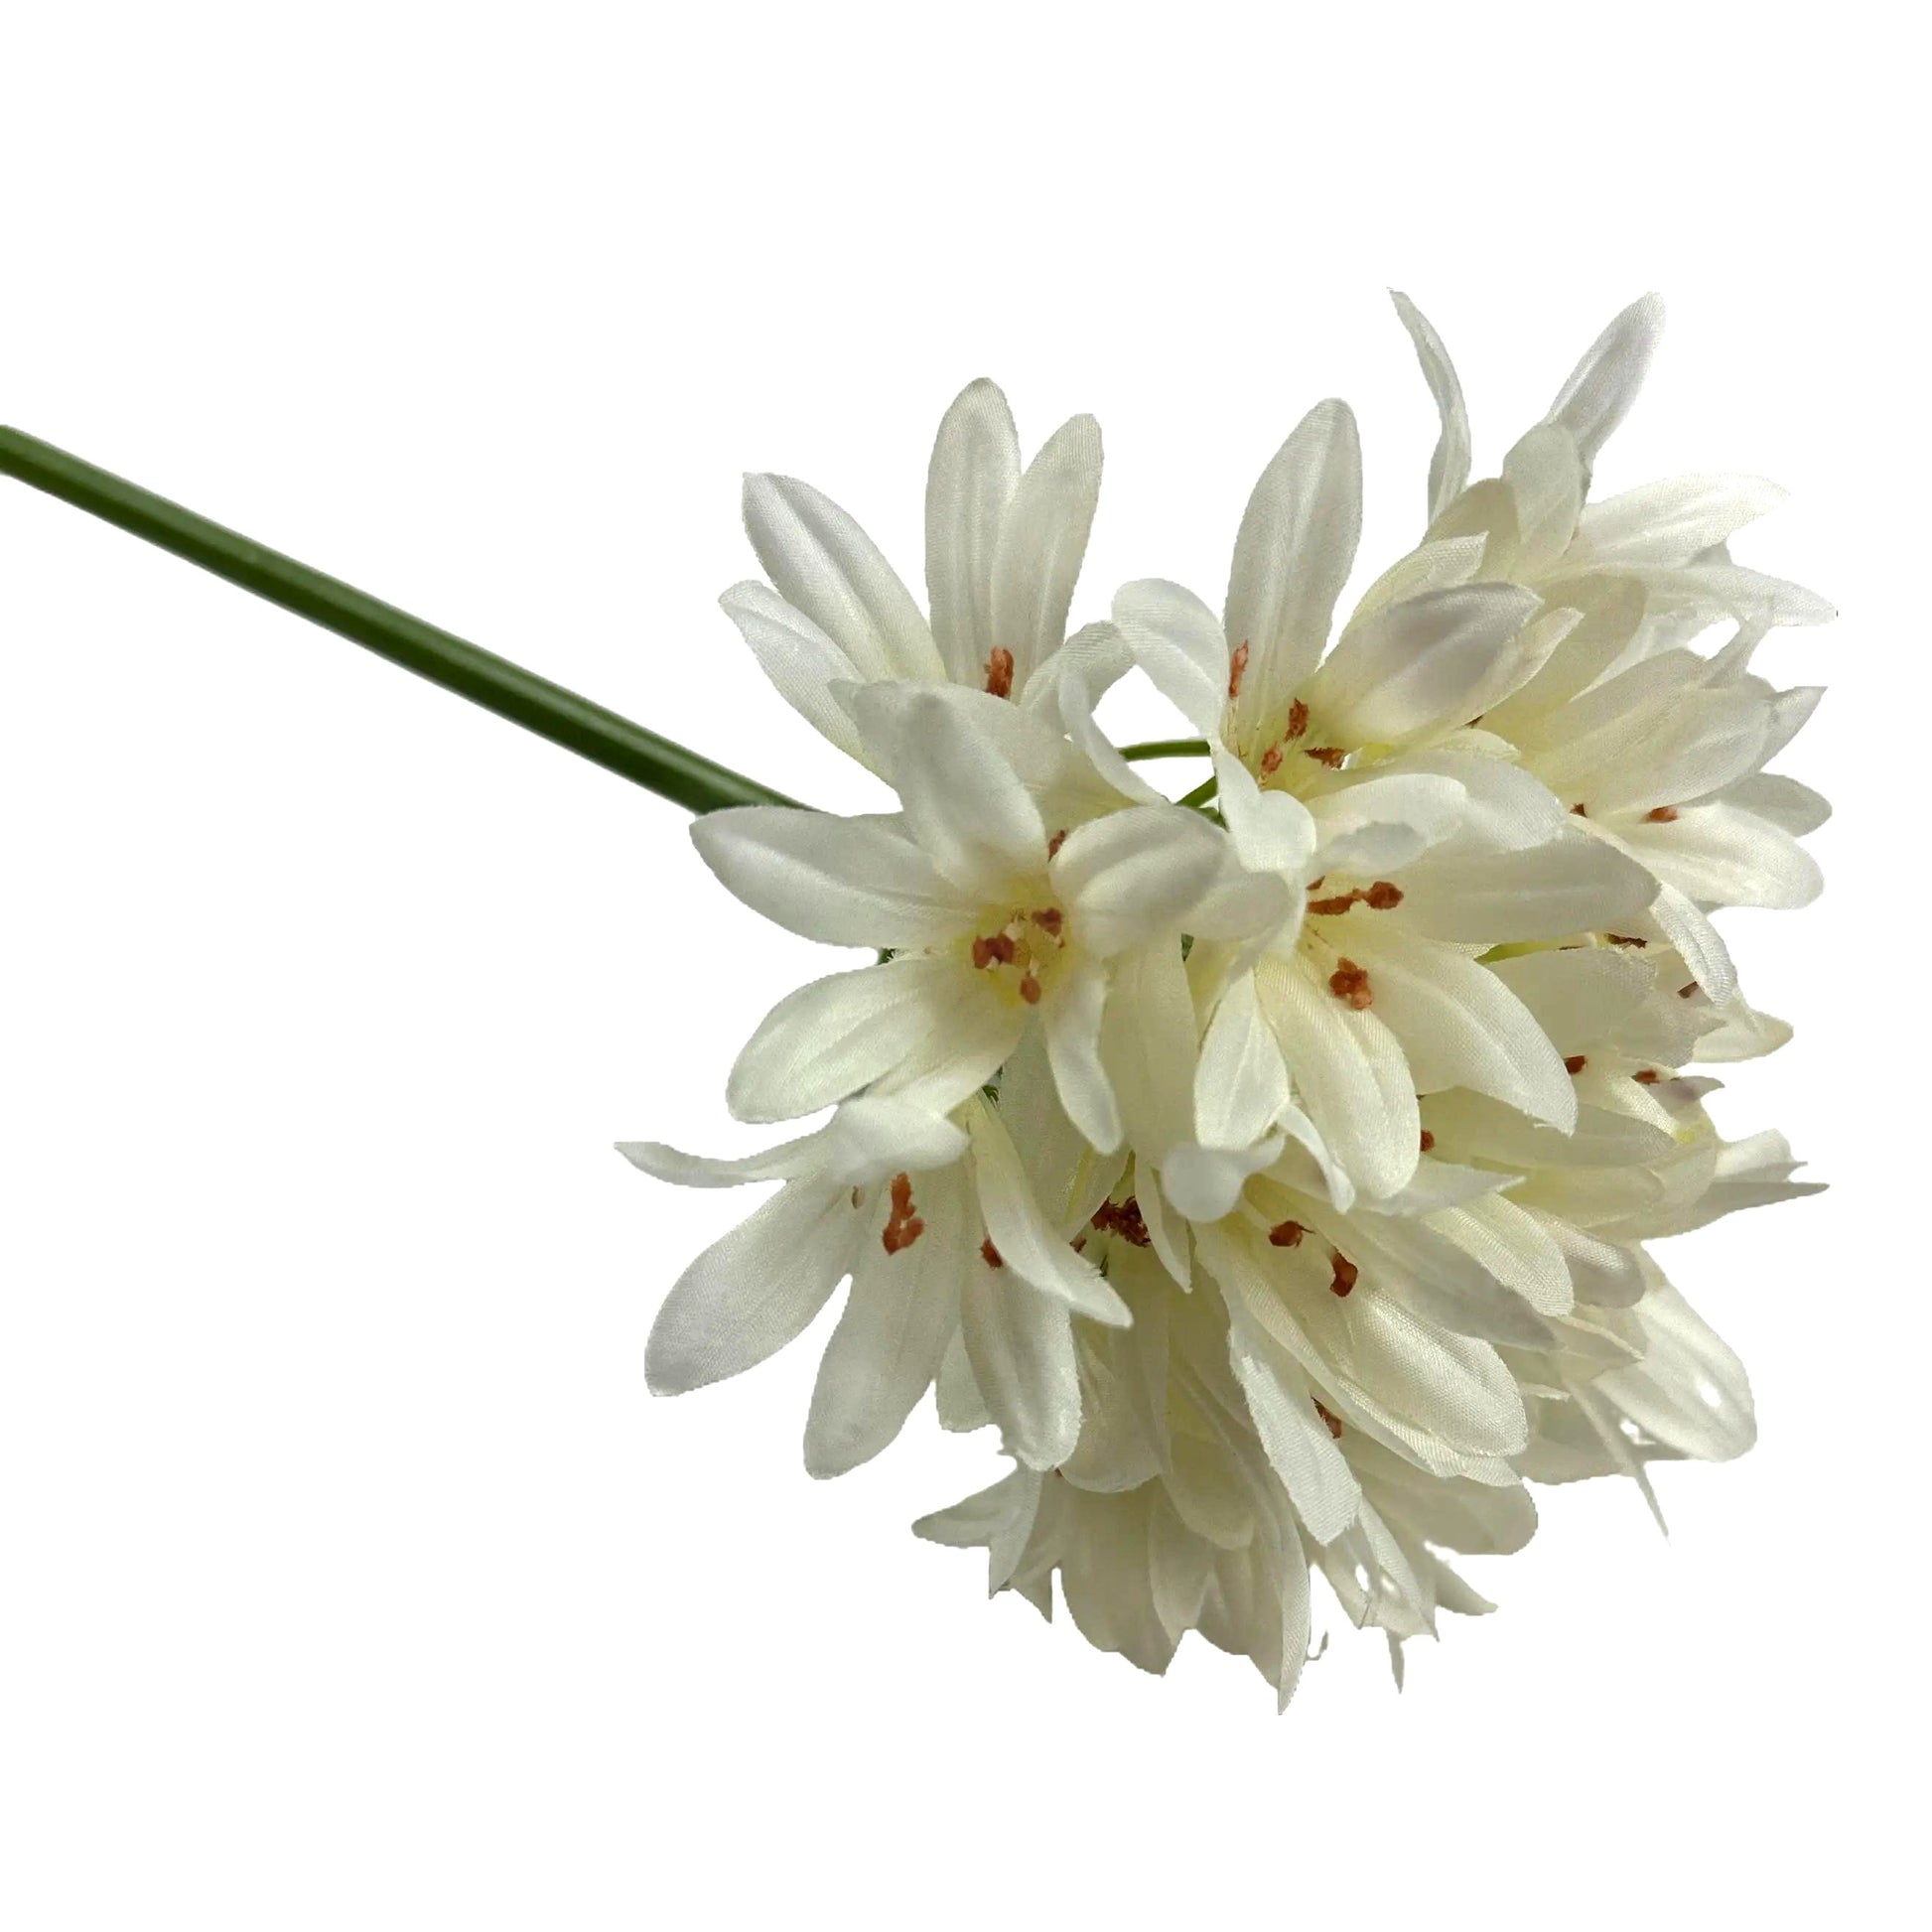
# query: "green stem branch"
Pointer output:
{"type": "Point", "coordinates": [1167, 747]}
{"type": "Point", "coordinates": [560, 716]}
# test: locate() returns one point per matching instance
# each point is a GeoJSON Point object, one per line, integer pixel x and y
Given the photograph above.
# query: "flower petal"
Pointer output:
{"type": "Point", "coordinates": [1721, 855]}
{"type": "Point", "coordinates": [1669, 522]}
{"type": "Point", "coordinates": [1546, 477]}
{"type": "Point", "coordinates": [801, 661]}
{"type": "Point", "coordinates": [898, 1318]}
{"type": "Point", "coordinates": [1462, 1026]}
{"type": "Point", "coordinates": [1299, 1448]}
{"type": "Point", "coordinates": [848, 882]}
{"type": "Point", "coordinates": [1241, 1083]}
{"type": "Point", "coordinates": [1603, 386]}
{"type": "Point", "coordinates": [1574, 883]}
{"type": "Point", "coordinates": [1128, 877]}
{"type": "Point", "coordinates": [1020, 1345]}
{"type": "Point", "coordinates": [1384, 823]}
{"type": "Point", "coordinates": [835, 1036]}
{"type": "Point", "coordinates": [1028, 1245]}
{"type": "Point", "coordinates": [1448, 466]}
{"type": "Point", "coordinates": [1428, 661]}
{"type": "Point", "coordinates": [1349, 1072]}
{"type": "Point", "coordinates": [1579, 997]}
{"type": "Point", "coordinates": [824, 565]}
{"type": "Point", "coordinates": [1689, 1390]}
{"type": "Point", "coordinates": [1072, 1020]}
{"type": "Point", "coordinates": [751, 1291]}
{"type": "Point", "coordinates": [1293, 554]}
{"type": "Point", "coordinates": [1042, 540]}
{"type": "Point", "coordinates": [1179, 644]}
{"type": "Point", "coordinates": [974, 470]}
{"type": "Point", "coordinates": [964, 802]}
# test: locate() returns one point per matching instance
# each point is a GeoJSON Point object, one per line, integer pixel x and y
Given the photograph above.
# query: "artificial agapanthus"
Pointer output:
{"type": "Point", "coordinates": [1273, 1169]}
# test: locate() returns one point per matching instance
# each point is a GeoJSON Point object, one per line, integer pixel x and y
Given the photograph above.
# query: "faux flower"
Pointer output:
{"type": "Point", "coordinates": [1275, 1172]}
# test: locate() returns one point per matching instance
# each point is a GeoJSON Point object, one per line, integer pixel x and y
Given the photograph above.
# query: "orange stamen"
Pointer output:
{"type": "Point", "coordinates": [1575, 1062]}
{"type": "Point", "coordinates": [989, 1254]}
{"type": "Point", "coordinates": [1344, 1277]}
{"type": "Point", "coordinates": [1660, 816]}
{"type": "Point", "coordinates": [1029, 989]}
{"type": "Point", "coordinates": [1287, 1235]}
{"type": "Point", "coordinates": [1329, 755]}
{"type": "Point", "coordinates": [1383, 897]}
{"type": "Point", "coordinates": [1123, 1219]}
{"type": "Point", "coordinates": [1298, 719]}
{"type": "Point", "coordinates": [902, 1226]}
{"type": "Point", "coordinates": [1649, 1077]}
{"type": "Point", "coordinates": [1350, 983]}
{"type": "Point", "coordinates": [1237, 670]}
{"type": "Point", "coordinates": [1428, 1140]}
{"type": "Point", "coordinates": [999, 672]}
{"type": "Point", "coordinates": [1329, 1417]}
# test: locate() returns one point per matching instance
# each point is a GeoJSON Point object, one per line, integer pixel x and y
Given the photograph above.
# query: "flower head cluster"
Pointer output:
{"type": "Point", "coordinates": [1275, 1173]}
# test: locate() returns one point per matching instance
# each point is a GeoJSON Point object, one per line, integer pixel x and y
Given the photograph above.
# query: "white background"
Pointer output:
{"type": "Point", "coordinates": [350, 1575]}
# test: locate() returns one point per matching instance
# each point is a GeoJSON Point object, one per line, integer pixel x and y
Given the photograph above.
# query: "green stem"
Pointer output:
{"type": "Point", "coordinates": [1201, 793]}
{"type": "Point", "coordinates": [1167, 747]}
{"type": "Point", "coordinates": [493, 682]}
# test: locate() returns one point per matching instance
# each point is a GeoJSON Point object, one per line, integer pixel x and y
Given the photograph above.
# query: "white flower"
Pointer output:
{"type": "Point", "coordinates": [1278, 1181]}
{"type": "Point", "coordinates": [998, 917]}
{"type": "Point", "coordinates": [936, 1224]}
{"type": "Point", "coordinates": [1003, 548]}
{"type": "Point", "coordinates": [1406, 842]}
{"type": "Point", "coordinates": [1659, 751]}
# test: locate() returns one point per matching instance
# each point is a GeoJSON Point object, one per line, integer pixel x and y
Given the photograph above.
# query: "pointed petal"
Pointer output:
{"type": "Point", "coordinates": [1669, 522]}
{"type": "Point", "coordinates": [891, 1335]}
{"type": "Point", "coordinates": [835, 1036]}
{"type": "Point", "coordinates": [848, 882]}
{"type": "Point", "coordinates": [1179, 644]}
{"type": "Point", "coordinates": [1431, 661]}
{"type": "Point", "coordinates": [1547, 479]}
{"type": "Point", "coordinates": [751, 1291]}
{"type": "Point", "coordinates": [1350, 1074]}
{"type": "Point", "coordinates": [1448, 466]}
{"type": "Point", "coordinates": [1028, 1245]}
{"type": "Point", "coordinates": [1042, 541]}
{"type": "Point", "coordinates": [964, 802]}
{"type": "Point", "coordinates": [1578, 996]}
{"type": "Point", "coordinates": [1293, 554]}
{"type": "Point", "coordinates": [1020, 1345]}
{"type": "Point", "coordinates": [1720, 855]}
{"type": "Point", "coordinates": [1072, 1026]}
{"type": "Point", "coordinates": [974, 472]}
{"type": "Point", "coordinates": [824, 565]}
{"type": "Point", "coordinates": [1384, 823]}
{"type": "Point", "coordinates": [1128, 877]}
{"type": "Point", "coordinates": [1241, 1083]}
{"type": "Point", "coordinates": [1308, 1460]}
{"type": "Point", "coordinates": [801, 661]}
{"type": "Point", "coordinates": [1603, 385]}
{"type": "Point", "coordinates": [1462, 1026]}
{"type": "Point", "coordinates": [1574, 883]}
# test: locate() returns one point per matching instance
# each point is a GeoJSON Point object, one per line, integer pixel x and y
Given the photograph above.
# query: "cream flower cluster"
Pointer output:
{"type": "Point", "coordinates": [1275, 1175]}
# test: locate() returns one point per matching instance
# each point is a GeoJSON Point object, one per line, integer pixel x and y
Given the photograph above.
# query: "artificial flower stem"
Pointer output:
{"type": "Point", "coordinates": [1201, 793]}
{"type": "Point", "coordinates": [533, 702]}
{"type": "Point", "coordinates": [1167, 747]}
